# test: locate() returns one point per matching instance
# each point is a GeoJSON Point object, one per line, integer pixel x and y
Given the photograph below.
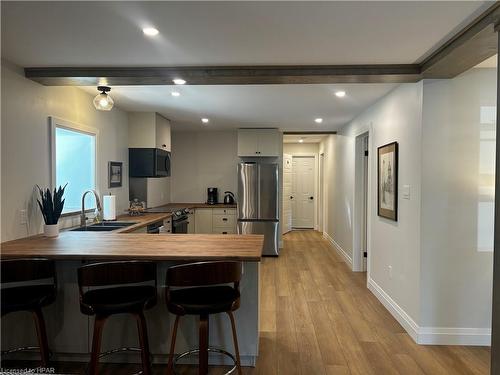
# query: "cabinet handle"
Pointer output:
{"type": "Point", "coordinates": [224, 219]}
{"type": "Point", "coordinates": [224, 232]}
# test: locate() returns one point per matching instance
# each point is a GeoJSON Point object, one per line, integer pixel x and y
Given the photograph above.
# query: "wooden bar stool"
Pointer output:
{"type": "Point", "coordinates": [113, 297]}
{"type": "Point", "coordinates": [29, 297]}
{"type": "Point", "coordinates": [198, 291]}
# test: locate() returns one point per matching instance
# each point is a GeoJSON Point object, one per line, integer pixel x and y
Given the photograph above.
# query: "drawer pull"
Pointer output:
{"type": "Point", "coordinates": [224, 219]}
{"type": "Point", "coordinates": [224, 232]}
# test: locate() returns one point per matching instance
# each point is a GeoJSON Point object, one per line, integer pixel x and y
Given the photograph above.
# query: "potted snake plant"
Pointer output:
{"type": "Point", "coordinates": [51, 206]}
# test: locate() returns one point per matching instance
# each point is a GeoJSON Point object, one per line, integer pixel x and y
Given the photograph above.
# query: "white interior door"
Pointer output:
{"type": "Point", "coordinates": [287, 193]}
{"type": "Point", "coordinates": [303, 192]}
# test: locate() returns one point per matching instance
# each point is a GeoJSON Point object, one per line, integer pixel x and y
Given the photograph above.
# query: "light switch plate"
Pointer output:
{"type": "Point", "coordinates": [406, 192]}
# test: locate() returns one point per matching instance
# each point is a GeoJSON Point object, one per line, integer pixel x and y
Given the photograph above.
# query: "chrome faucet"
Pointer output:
{"type": "Point", "coordinates": [98, 217]}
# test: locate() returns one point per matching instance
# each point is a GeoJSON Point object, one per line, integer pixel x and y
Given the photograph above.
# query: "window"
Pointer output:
{"type": "Point", "coordinates": [74, 162]}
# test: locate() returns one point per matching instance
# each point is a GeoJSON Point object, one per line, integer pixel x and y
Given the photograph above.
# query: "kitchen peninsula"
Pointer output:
{"type": "Point", "coordinates": [70, 332]}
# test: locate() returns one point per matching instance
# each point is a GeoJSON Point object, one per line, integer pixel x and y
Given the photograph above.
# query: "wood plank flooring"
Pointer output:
{"type": "Point", "coordinates": [318, 318]}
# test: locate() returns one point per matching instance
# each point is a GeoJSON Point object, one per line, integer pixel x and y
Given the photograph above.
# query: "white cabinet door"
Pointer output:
{"type": "Point", "coordinates": [191, 223]}
{"type": "Point", "coordinates": [163, 133]}
{"type": "Point", "coordinates": [203, 219]}
{"type": "Point", "coordinates": [269, 142]}
{"type": "Point", "coordinates": [248, 142]}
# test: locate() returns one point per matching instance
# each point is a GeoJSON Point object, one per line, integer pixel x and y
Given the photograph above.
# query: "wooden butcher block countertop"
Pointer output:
{"type": "Point", "coordinates": [113, 246]}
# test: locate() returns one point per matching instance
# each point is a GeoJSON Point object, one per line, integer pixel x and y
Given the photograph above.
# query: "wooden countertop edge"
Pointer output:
{"type": "Point", "coordinates": [142, 221]}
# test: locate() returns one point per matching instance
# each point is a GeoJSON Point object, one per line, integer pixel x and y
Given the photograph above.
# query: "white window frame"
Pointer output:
{"type": "Point", "coordinates": [55, 123]}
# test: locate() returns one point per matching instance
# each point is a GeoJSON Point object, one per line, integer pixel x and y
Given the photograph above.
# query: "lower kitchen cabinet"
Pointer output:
{"type": "Point", "coordinates": [203, 220]}
{"type": "Point", "coordinates": [215, 220]}
{"type": "Point", "coordinates": [191, 222]}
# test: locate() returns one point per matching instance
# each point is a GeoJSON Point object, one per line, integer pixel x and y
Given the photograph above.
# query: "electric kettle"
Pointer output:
{"type": "Point", "coordinates": [228, 198]}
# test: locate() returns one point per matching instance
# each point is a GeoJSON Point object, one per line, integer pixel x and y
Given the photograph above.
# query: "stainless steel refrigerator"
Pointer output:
{"type": "Point", "coordinates": [258, 203]}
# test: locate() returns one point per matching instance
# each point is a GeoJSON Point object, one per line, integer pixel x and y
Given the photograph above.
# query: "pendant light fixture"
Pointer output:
{"type": "Point", "coordinates": [103, 101]}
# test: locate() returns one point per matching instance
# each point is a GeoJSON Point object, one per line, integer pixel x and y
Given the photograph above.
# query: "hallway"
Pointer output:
{"type": "Point", "coordinates": [318, 317]}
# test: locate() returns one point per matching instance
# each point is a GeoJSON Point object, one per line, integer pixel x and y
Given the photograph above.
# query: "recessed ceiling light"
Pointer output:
{"type": "Point", "coordinates": [340, 94]}
{"type": "Point", "coordinates": [318, 120]}
{"type": "Point", "coordinates": [301, 140]}
{"type": "Point", "coordinates": [150, 31]}
{"type": "Point", "coordinates": [205, 120]}
{"type": "Point", "coordinates": [175, 93]}
{"type": "Point", "coordinates": [178, 81]}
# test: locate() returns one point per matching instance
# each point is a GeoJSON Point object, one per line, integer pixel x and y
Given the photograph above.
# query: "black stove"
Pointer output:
{"type": "Point", "coordinates": [179, 217]}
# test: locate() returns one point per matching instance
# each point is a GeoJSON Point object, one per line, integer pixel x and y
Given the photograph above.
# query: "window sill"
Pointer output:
{"type": "Point", "coordinates": [77, 213]}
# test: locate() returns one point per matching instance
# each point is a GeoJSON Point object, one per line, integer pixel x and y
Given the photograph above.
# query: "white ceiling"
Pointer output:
{"type": "Point", "coordinates": [288, 107]}
{"type": "Point", "coordinates": [109, 33]}
{"type": "Point", "coordinates": [306, 138]}
{"type": "Point", "coordinates": [209, 33]}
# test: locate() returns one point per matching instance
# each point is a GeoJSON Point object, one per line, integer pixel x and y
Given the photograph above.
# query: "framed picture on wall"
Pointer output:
{"type": "Point", "coordinates": [387, 181]}
{"type": "Point", "coordinates": [115, 174]}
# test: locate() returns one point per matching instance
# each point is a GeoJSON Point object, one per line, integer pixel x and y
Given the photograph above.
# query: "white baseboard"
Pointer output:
{"type": "Point", "coordinates": [431, 335]}
{"type": "Point", "coordinates": [339, 249]}
{"type": "Point", "coordinates": [396, 311]}
{"type": "Point", "coordinates": [454, 336]}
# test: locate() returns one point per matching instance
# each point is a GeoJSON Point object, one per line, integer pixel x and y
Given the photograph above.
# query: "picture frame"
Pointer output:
{"type": "Point", "coordinates": [387, 180]}
{"type": "Point", "coordinates": [115, 174]}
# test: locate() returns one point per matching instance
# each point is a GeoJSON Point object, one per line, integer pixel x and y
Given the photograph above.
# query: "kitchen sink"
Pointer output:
{"type": "Point", "coordinates": [104, 227]}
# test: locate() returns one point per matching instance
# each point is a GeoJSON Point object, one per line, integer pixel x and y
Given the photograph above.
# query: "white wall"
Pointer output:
{"type": "Point", "coordinates": [396, 117]}
{"type": "Point", "coordinates": [300, 148]}
{"type": "Point", "coordinates": [26, 106]}
{"type": "Point", "coordinates": [440, 289]}
{"type": "Point", "coordinates": [457, 275]}
{"type": "Point", "coordinates": [200, 160]}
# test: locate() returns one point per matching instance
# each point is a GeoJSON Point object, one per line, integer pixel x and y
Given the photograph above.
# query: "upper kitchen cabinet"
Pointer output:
{"type": "Point", "coordinates": [148, 130]}
{"type": "Point", "coordinates": [259, 142]}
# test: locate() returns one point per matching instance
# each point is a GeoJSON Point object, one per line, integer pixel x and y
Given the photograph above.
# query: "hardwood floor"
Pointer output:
{"type": "Point", "coordinates": [318, 318]}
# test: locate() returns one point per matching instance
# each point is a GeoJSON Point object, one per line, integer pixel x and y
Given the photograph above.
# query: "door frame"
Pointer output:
{"type": "Point", "coordinates": [315, 156]}
{"type": "Point", "coordinates": [358, 204]}
{"type": "Point", "coordinates": [321, 192]}
{"type": "Point", "coordinates": [283, 195]}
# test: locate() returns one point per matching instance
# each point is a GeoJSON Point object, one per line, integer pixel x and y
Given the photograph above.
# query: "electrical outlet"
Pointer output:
{"type": "Point", "coordinates": [23, 216]}
{"type": "Point", "coordinates": [389, 270]}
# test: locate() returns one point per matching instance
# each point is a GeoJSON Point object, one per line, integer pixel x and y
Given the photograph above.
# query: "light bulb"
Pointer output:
{"type": "Point", "coordinates": [103, 101]}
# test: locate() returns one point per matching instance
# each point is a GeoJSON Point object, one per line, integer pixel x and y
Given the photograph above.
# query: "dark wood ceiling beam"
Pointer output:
{"type": "Point", "coordinates": [225, 75]}
{"type": "Point", "coordinates": [471, 46]}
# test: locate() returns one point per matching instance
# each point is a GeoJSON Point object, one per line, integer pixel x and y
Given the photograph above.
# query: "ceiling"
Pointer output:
{"type": "Point", "coordinates": [306, 138]}
{"type": "Point", "coordinates": [108, 33]}
{"type": "Point", "coordinates": [288, 107]}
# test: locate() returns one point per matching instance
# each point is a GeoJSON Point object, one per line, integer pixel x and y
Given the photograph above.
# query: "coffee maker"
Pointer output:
{"type": "Point", "coordinates": [212, 195]}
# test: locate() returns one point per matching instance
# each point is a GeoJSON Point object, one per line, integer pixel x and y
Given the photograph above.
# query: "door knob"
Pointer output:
{"type": "Point", "coordinates": [291, 197]}
{"type": "Point", "coordinates": [311, 198]}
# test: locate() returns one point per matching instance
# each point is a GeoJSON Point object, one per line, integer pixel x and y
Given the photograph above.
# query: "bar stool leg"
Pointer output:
{"type": "Point", "coordinates": [170, 366]}
{"type": "Point", "coordinates": [143, 342]}
{"type": "Point", "coordinates": [42, 336]}
{"type": "Point", "coordinates": [96, 344]}
{"type": "Point", "coordinates": [203, 339]}
{"type": "Point", "coordinates": [235, 340]}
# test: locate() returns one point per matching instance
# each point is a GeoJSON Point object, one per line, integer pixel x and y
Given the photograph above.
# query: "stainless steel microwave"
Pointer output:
{"type": "Point", "coordinates": [148, 162]}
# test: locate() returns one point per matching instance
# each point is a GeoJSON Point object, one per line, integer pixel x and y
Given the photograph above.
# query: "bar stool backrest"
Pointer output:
{"type": "Point", "coordinates": [204, 274]}
{"type": "Point", "coordinates": [29, 269]}
{"type": "Point", "coordinates": [116, 273]}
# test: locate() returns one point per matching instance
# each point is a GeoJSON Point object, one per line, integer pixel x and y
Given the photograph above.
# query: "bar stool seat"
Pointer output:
{"type": "Point", "coordinates": [202, 289]}
{"type": "Point", "coordinates": [31, 298]}
{"type": "Point", "coordinates": [116, 288]}
{"type": "Point", "coordinates": [25, 298]}
{"type": "Point", "coordinates": [126, 299]}
{"type": "Point", "coordinates": [203, 300]}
